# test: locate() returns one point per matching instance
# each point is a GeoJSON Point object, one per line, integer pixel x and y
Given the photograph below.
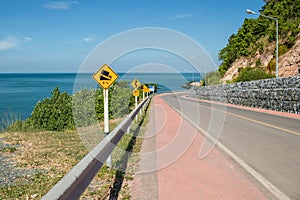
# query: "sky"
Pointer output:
{"type": "Point", "coordinates": [58, 36]}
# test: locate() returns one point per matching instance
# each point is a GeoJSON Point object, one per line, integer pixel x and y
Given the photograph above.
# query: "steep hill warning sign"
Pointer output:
{"type": "Point", "coordinates": [105, 76]}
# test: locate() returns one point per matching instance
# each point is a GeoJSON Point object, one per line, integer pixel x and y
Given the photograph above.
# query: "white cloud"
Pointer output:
{"type": "Point", "coordinates": [27, 38]}
{"type": "Point", "coordinates": [182, 16]}
{"type": "Point", "coordinates": [60, 5]}
{"type": "Point", "coordinates": [10, 42]}
{"type": "Point", "coordinates": [88, 39]}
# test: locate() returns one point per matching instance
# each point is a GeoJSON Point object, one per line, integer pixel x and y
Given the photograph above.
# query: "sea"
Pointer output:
{"type": "Point", "coordinates": [19, 93]}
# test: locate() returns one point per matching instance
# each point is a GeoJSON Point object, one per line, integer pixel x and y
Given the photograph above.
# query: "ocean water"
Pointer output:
{"type": "Point", "coordinates": [19, 93]}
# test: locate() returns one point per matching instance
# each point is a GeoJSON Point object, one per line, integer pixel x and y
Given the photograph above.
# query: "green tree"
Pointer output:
{"type": "Point", "coordinates": [248, 40]}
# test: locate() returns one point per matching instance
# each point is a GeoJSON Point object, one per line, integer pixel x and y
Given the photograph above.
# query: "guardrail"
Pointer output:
{"type": "Point", "coordinates": [72, 185]}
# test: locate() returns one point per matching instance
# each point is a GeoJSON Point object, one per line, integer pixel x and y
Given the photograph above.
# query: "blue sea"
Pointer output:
{"type": "Point", "coordinates": [19, 93]}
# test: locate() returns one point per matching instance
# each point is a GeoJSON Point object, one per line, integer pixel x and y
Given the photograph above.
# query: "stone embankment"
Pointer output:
{"type": "Point", "coordinates": [282, 94]}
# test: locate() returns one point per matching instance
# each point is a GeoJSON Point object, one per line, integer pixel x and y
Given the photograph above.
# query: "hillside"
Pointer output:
{"type": "Point", "coordinates": [254, 43]}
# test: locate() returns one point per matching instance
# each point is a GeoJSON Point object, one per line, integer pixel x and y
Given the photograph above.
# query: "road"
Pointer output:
{"type": "Point", "coordinates": [269, 144]}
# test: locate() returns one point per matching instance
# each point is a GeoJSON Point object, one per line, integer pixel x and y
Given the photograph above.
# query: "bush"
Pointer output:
{"type": "Point", "coordinates": [84, 107]}
{"type": "Point", "coordinates": [211, 78]}
{"type": "Point", "coordinates": [51, 114]}
{"type": "Point", "coordinates": [57, 114]}
{"type": "Point", "coordinates": [249, 74]}
{"type": "Point", "coordinates": [120, 99]}
{"type": "Point", "coordinates": [282, 49]}
{"type": "Point", "coordinates": [54, 113]}
{"type": "Point", "coordinates": [271, 66]}
{"type": "Point", "coordinates": [88, 105]}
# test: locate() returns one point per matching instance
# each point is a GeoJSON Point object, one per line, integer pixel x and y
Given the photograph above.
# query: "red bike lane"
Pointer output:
{"type": "Point", "coordinates": [180, 173]}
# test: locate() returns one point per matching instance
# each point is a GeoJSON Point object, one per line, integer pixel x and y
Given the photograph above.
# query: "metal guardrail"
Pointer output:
{"type": "Point", "coordinates": [72, 185]}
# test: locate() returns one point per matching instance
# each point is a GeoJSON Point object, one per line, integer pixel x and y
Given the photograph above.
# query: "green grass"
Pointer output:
{"type": "Point", "coordinates": [53, 154]}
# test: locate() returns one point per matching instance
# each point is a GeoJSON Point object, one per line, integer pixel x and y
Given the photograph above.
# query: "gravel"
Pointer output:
{"type": "Point", "coordinates": [9, 173]}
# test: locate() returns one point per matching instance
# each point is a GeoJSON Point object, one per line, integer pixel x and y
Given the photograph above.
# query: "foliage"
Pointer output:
{"type": "Point", "coordinates": [248, 40]}
{"type": "Point", "coordinates": [250, 73]}
{"type": "Point", "coordinates": [88, 107]}
{"type": "Point", "coordinates": [7, 119]}
{"type": "Point", "coordinates": [211, 78]}
{"type": "Point", "coordinates": [57, 113]}
{"type": "Point", "coordinates": [54, 113]}
{"type": "Point", "coordinates": [271, 66]}
{"type": "Point", "coordinates": [120, 99]}
{"type": "Point", "coordinates": [84, 107]}
{"type": "Point", "coordinates": [282, 49]}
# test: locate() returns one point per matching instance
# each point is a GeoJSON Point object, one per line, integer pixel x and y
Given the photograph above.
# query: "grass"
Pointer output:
{"type": "Point", "coordinates": [53, 154]}
{"type": "Point", "coordinates": [115, 183]}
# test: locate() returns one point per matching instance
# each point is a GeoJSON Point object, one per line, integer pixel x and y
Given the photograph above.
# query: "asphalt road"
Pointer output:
{"type": "Point", "coordinates": [269, 144]}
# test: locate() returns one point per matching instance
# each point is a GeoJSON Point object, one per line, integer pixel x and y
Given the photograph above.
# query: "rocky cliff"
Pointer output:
{"type": "Point", "coordinates": [288, 64]}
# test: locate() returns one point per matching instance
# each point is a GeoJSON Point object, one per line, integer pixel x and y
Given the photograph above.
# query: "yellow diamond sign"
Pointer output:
{"type": "Point", "coordinates": [145, 88]}
{"type": "Point", "coordinates": [105, 76]}
{"type": "Point", "coordinates": [136, 93]}
{"type": "Point", "coordinates": [135, 83]}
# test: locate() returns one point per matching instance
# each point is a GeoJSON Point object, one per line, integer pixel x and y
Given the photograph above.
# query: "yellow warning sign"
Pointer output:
{"type": "Point", "coordinates": [136, 93]}
{"type": "Point", "coordinates": [135, 83]}
{"type": "Point", "coordinates": [105, 76]}
{"type": "Point", "coordinates": [145, 88]}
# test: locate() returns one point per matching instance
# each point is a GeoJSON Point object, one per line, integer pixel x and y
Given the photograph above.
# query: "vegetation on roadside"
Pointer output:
{"type": "Point", "coordinates": [115, 183]}
{"type": "Point", "coordinates": [250, 73]}
{"type": "Point", "coordinates": [211, 78]}
{"type": "Point", "coordinates": [53, 154]}
{"type": "Point", "coordinates": [257, 34]}
{"type": "Point", "coordinates": [61, 111]}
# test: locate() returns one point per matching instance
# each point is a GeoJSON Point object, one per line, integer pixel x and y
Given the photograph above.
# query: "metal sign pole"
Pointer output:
{"type": "Point", "coordinates": [106, 122]}
{"type": "Point", "coordinates": [136, 104]}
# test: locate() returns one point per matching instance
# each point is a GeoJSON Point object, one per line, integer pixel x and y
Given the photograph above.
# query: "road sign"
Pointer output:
{"type": "Point", "coordinates": [105, 76]}
{"type": "Point", "coordinates": [135, 83]}
{"type": "Point", "coordinates": [151, 88]}
{"type": "Point", "coordinates": [145, 88]}
{"type": "Point", "coordinates": [136, 93]}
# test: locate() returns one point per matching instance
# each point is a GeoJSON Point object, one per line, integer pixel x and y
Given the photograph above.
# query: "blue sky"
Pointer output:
{"type": "Point", "coordinates": [56, 36]}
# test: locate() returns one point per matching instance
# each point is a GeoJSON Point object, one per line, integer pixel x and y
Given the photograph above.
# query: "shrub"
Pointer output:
{"type": "Point", "coordinates": [282, 49]}
{"type": "Point", "coordinates": [88, 105]}
{"type": "Point", "coordinates": [211, 78]}
{"type": "Point", "coordinates": [249, 74]}
{"type": "Point", "coordinates": [120, 99]}
{"type": "Point", "coordinates": [84, 107]}
{"type": "Point", "coordinates": [271, 66]}
{"type": "Point", "coordinates": [54, 113]}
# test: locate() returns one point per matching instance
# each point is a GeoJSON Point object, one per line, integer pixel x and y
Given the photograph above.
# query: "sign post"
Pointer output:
{"type": "Point", "coordinates": [145, 89]}
{"type": "Point", "coordinates": [105, 77]}
{"type": "Point", "coordinates": [136, 84]}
